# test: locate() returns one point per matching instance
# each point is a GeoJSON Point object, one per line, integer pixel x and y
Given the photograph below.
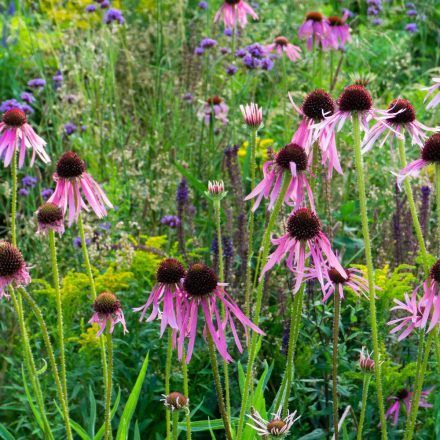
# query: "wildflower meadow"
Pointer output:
{"type": "Point", "coordinates": [219, 219]}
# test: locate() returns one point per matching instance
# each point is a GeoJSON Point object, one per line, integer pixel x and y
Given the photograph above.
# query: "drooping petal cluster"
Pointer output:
{"type": "Point", "coordinates": [107, 310]}
{"type": "Point", "coordinates": [432, 89]}
{"type": "Point", "coordinates": [235, 12]}
{"type": "Point", "coordinates": [214, 108]}
{"type": "Point", "coordinates": [316, 31]}
{"type": "Point", "coordinates": [281, 45]}
{"type": "Point", "coordinates": [276, 427]}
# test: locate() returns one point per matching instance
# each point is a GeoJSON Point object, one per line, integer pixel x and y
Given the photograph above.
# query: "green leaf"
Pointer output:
{"type": "Point", "coordinates": [100, 433]}
{"type": "Point", "coordinates": [5, 434]}
{"type": "Point", "coordinates": [43, 368]}
{"type": "Point", "coordinates": [137, 433]}
{"type": "Point", "coordinates": [206, 425]}
{"type": "Point", "coordinates": [196, 183]}
{"type": "Point", "coordinates": [130, 406]}
{"type": "Point", "coordinates": [317, 434]}
{"type": "Point", "coordinates": [35, 411]}
{"type": "Point", "coordinates": [92, 418]}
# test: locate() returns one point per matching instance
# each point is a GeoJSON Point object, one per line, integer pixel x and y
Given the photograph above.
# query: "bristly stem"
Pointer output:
{"type": "Point", "coordinates": [186, 394]}
{"type": "Point", "coordinates": [265, 247]}
{"type": "Point", "coordinates": [92, 289]}
{"type": "Point", "coordinates": [108, 389]}
{"type": "Point", "coordinates": [222, 280]}
{"type": "Point", "coordinates": [56, 283]}
{"type": "Point", "coordinates": [218, 388]}
{"type": "Point", "coordinates": [175, 425]}
{"type": "Point", "coordinates": [336, 316]}
{"type": "Point", "coordinates": [14, 199]}
{"type": "Point", "coordinates": [167, 379]}
{"type": "Point", "coordinates": [248, 291]}
{"type": "Point", "coordinates": [370, 269]}
{"type": "Point", "coordinates": [30, 364]}
{"type": "Point", "coordinates": [295, 320]}
{"type": "Point", "coordinates": [367, 378]}
{"type": "Point", "coordinates": [52, 361]}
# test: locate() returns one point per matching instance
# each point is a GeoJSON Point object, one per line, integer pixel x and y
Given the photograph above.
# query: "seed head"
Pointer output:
{"type": "Point", "coordinates": [170, 271]}
{"type": "Point", "coordinates": [355, 98]}
{"type": "Point", "coordinates": [407, 113]}
{"type": "Point", "coordinates": [200, 280]}
{"type": "Point", "coordinates": [49, 213]}
{"type": "Point", "coordinates": [70, 165]}
{"type": "Point", "coordinates": [176, 401]}
{"type": "Point", "coordinates": [303, 224]}
{"type": "Point", "coordinates": [435, 271]}
{"type": "Point", "coordinates": [292, 153]}
{"type": "Point", "coordinates": [314, 16]}
{"type": "Point", "coordinates": [11, 260]}
{"type": "Point", "coordinates": [366, 363]}
{"type": "Point", "coordinates": [14, 117]}
{"type": "Point", "coordinates": [431, 149]}
{"type": "Point", "coordinates": [106, 303]}
{"type": "Point", "coordinates": [335, 21]}
{"type": "Point", "coordinates": [214, 100]}
{"type": "Point", "coordinates": [336, 277]}
{"type": "Point", "coordinates": [275, 426]}
{"type": "Point", "coordinates": [232, 2]}
{"type": "Point", "coordinates": [402, 394]}
{"type": "Point", "coordinates": [281, 41]}
{"type": "Point", "coordinates": [317, 104]}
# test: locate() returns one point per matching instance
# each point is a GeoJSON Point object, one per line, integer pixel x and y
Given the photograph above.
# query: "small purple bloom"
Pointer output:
{"type": "Point", "coordinates": [105, 226]}
{"type": "Point", "coordinates": [188, 97]}
{"type": "Point", "coordinates": [37, 83]}
{"type": "Point", "coordinates": [29, 181]}
{"type": "Point", "coordinates": [170, 220]}
{"type": "Point", "coordinates": [240, 53]}
{"type": "Point", "coordinates": [23, 192]}
{"type": "Point", "coordinates": [231, 70]}
{"type": "Point", "coordinates": [256, 50]}
{"type": "Point", "coordinates": [113, 14]}
{"type": "Point", "coordinates": [203, 5]}
{"type": "Point", "coordinates": [182, 192]}
{"type": "Point", "coordinates": [27, 108]}
{"type": "Point", "coordinates": [410, 5]}
{"type": "Point", "coordinates": [250, 62]}
{"type": "Point", "coordinates": [207, 43]}
{"type": "Point", "coordinates": [377, 21]}
{"type": "Point", "coordinates": [90, 8]}
{"type": "Point", "coordinates": [104, 4]}
{"type": "Point", "coordinates": [46, 193]}
{"type": "Point", "coordinates": [198, 51]}
{"type": "Point", "coordinates": [225, 50]}
{"type": "Point", "coordinates": [266, 64]}
{"type": "Point", "coordinates": [411, 12]}
{"type": "Point", "coordinates": [10, 104]}
{"type": "Point", "coordinates": [347, 12]}
{"type": "Point", "coordinates": [83, 127]}
{"type": "Point", "coordinates": [27, 97]}
{"type": "Point", "coordinates": [58, 78]}
{"type": "Point", "coordinates": [70, 128]}
{"type": "Point", "coordinates": [228, 32]}
{"type": "Point", "coordinates": [411, 27]}
{"type": "Point", "coordinates": [77, 242]}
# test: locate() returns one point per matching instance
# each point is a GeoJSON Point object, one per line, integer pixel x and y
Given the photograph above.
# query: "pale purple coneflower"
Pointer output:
{"type": "Point", "coordinates": [436, 99]}
{"type": "Point", "coordinates": [17, 135]}
{"type": "Point", "coordinates": [304, 238]}
{"type": "Point", "coordinates": [282, 45]}
{"type": "Point", "coordinates": [252, 115]}
{"type": "Point", "coordinates": [430, 153]}
{"type": "Point", "coordinates": [107, 309]}
{"type": "Point", "coordinates": [355, 101]}
{"type": "Point", "coordinates": [214, 107]}
{"type": "Point", "coordinates": [203, 290]}
{"type": "Point", "coordinates": [277, 426]}
{"type": "Point", "coordinates": [71, 179]}
{"type": "Point", "coordinates": [235, 12]}
{"type": "Point", "coordinates": [50, 218]}
{"type": "Point", "coordinates": [13, 269]}
{"type": "Point", "coordinates": [168, 292]}
{"type": "Point", "coordinates": [340, 30]}
{"type": "Point", "coordinates": [316, 30]}
{"type": "Point", "coordinates": [405, 396]}
{"type": "Point", "coordinates": [316, 106]}
{"type": "Point", "coordinates": [291, 159]}
{"type": "Point", "coordinates": [175, 401]}
{"type": "Point", "coordinates": [404, 118]}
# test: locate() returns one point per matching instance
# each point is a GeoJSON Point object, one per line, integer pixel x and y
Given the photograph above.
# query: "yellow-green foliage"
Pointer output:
{"type": "Point", "coordinates": [87, 339]}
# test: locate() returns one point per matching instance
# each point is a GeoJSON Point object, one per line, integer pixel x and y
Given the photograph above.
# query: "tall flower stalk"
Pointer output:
{"type": "Point", "coordinates": [336, 316]}
{"type": "Point", "coordinates": [370, 269]}
{"type": "Point", "coordinates": [167, 378]}
{"type": "Point", "coordinates": [265, 248]}
{"type": "Point", "coordinates": [186, 392]}
{"type": "Point", "coordinates": [108, 387]}
{"type": "Point", "coordinates": [366, 385]}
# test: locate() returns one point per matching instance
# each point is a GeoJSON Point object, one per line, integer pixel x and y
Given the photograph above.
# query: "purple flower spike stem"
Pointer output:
{"type": "Point", "coordinates": [370, 268]}
{"type": "Point", "coordinates": [216, 192]}
{"type": "Point", "coordinates": [265, 248]}
{"type": "Point", "coordinates": [253, 118]}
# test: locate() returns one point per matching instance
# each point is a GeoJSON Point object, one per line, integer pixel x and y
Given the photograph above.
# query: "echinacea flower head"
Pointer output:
{"type": "Point", "coordinates": [107, 309]}
{"type": "Point", "coordinates": [50, 218]}
{"type": "Point", "coordinates": [167, 292]}
{"type": "Point", "coordinates": [304, 239]}
{"type": "Point", "coordinates": [281, 45]}
{"type": "Point", "coordinates": [71, 180]}
{"type": "Point", "coordinates": [13, 269]}
{"type": "Point", "coordinates": [432, 89]}
{"type": "Point", "coordinates": [316, 30]}
{"type": "Point", "coordinates": [277, 427]}
{"type": "Point", "coordinates": [214, 108]}
{"type": "Point", "coordinates": [339, 30]}
{"type": "Point", "coordinates": [203, 291]}
{"type": "Point", "coordinates": [316, 106]}
{"type": "Point", "coordinates": [430, 154]}
{"type": "Point", "coordinates": [235, 12]}
{"type": "Point", "coordinates": [291, 160]}
{"type": "Point", "coordinates": [366, 362]}
{"type": "Point", "coordinates": [17, 135]}
{"type": "Point", "coordinates": [252, 115]}
{"type": "Point", "coordinates": [404, 396]}
{"type": "Point", "coordinates": [403, 119]}
{"type": "Point", "coordinates": [175, 401]}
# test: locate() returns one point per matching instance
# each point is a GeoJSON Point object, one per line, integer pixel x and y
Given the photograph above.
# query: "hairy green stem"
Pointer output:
{"type": "Point", "coordinates": [93, 290]}
{"type": "Point", "coordinates": [175, 425]}
{"type": "Point", "coordinates": [108, 388]}
{"type": "Point", "coordinates": [14, 199]}
{"type": "Point", "coordinates": [248, 291]}
{"type": "Point", "coordinates": [59, 305]}
{"type": "Point", "coordinates": [186, 394]}
{"type": "Point", "coordinates": [336, 316]}
{"type": "Point", "coordinates": [218, 388]}
{"type": "Point", "coordinates": [367, 379]}
{"type": "Point", "coordinates": [370, 269]}
{"type": "Point", "coordinates": [167, 379]}
{"type": "Point", "coordinates": [264, 254]}
{"type": "Point", "coordinates": [30, 364]}
{"type": "Point", "coordinates": [52, 361]}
